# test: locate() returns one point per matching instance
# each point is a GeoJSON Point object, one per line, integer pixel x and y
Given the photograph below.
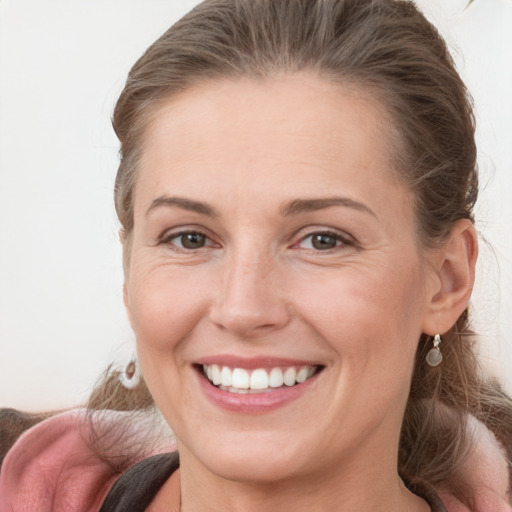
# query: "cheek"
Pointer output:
{"type": "Point", "coordinates": [367, 314]}
{"type": "Point", "coordinates": [165, 305]}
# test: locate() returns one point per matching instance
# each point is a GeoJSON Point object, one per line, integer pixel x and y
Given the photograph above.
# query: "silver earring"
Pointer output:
{"type": "Point", "coordinates": [434, 356]}
{"type": "Point", "coordinates": [129, 376]}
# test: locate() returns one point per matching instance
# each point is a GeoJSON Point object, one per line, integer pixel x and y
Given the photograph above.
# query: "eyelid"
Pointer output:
{"type": "Point", "coordinates": [170, 234]}
{"type": "Point", "coordinates": [344, 238]}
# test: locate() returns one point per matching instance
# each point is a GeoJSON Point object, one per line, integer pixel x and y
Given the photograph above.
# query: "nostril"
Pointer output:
{"type": "Point", "coordinates": [247, 317]}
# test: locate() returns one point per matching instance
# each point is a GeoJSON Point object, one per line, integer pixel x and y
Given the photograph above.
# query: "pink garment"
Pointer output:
{"type": "Point", "coordinates": [52, 469]}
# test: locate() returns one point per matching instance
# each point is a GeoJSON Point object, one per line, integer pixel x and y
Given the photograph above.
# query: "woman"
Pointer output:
{"type": "Point", "coordinates": [295, 190]}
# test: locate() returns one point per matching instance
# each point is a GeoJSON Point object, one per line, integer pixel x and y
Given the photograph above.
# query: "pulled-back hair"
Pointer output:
{"type": "Point", "coordinates": [393, 53]}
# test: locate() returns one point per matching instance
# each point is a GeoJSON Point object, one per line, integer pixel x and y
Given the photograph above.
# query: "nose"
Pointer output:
{"type": "Point", "coordinates": [251, 300]}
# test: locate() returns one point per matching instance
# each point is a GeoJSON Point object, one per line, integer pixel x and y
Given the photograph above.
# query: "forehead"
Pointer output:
{"type": "Point", "coordinates": [269, 133]}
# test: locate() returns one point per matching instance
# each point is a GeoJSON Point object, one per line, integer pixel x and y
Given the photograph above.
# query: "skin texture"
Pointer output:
{"type": "Point", "coordinates": [259, 288]}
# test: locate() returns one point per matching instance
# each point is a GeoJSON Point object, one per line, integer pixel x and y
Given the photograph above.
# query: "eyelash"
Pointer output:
{"type": "Point", "coordinates": [341, 240]}
{"type": "Point", "coordinates": [167, 239]}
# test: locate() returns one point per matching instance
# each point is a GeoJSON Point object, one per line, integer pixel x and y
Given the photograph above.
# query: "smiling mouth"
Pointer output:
{"type": "Point", "coordinates": [259, 380]}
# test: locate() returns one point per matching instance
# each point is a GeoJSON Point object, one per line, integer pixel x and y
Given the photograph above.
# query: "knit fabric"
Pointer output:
{"type": "Point", "coordinates": [52, 468]}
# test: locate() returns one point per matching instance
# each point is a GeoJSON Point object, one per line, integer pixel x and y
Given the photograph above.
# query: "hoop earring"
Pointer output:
{"type": "Point", "coordinates": [434, 356]}
{"type": "Point", "coordinates": [130, 375]}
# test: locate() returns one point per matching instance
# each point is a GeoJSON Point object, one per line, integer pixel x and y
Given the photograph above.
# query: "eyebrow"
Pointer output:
{"type": "Point", "coordinates": [184, 204]}
{"type": "Point", "coordinates": [294, 207]}
{"type": "Point", "coordinates": [311, 205]}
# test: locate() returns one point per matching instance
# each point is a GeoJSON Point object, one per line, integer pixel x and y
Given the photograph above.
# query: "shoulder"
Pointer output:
{"type": "Point", "coordinates": [483, 477]}
{"type": "Point", "coordinates": [52, 468]}
{"type": "Point", "coordinates": [137, 488]}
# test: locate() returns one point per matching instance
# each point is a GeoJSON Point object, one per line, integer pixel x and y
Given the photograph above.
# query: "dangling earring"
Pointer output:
{"type": "Point", "coordinates": [434, 356]}
{"type": "Point", "coordinates": [129, 376]}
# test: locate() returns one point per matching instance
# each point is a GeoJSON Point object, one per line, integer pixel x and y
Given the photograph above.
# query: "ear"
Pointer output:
{"type": "Point", "coordinates": [454, 267]}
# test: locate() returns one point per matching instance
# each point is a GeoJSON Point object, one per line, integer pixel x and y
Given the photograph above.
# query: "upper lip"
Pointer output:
{"type": "Point", "coordinates": [252, 363]}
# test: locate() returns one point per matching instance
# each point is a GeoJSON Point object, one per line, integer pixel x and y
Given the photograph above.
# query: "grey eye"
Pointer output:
{"type": "Point", "coordinates": [323, 241]}
{"type": "Point", "coordinates": [192, 240]}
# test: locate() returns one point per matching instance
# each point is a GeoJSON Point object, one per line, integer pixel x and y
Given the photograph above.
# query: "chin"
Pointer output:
{"type": "Point", "coordinates": [254, 460]}
{"type": "Point", "coordinates": [247, 470]}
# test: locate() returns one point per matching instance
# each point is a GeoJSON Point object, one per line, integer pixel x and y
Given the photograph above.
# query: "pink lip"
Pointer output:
{"type": "Point", "coordinates": [253, 363]}
{"type": "Point", "coordinates": [254, 403]}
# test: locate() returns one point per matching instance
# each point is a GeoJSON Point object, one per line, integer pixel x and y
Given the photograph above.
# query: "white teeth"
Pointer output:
{"type": "Point", "coordinates": [239, 380]}
{"type": "Point", "coordinates": [302, 375]}
{"type": "Point", "coordinates": [289, 376]}
{"type": "Point", "coordinates": [215, 375]}
{"type": "Point", "coordinates": [275, 379]}
{"type": "Point", "coordinates": [259, 379]}
{"type": "Point", "coordinates": [225, 376]}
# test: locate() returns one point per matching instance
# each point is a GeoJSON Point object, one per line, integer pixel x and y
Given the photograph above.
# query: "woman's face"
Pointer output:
{"type": "Point", "coordinates": [272, 242]}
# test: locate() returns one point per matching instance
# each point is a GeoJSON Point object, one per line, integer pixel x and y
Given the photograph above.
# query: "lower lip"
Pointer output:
{"type": "Point", "coordinates": [254, 403]}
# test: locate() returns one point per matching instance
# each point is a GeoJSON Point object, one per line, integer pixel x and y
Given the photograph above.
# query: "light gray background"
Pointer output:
{"type": "Point", "coordinates": [62, 64]}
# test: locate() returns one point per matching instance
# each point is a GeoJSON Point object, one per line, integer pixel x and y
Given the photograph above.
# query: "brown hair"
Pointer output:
{"type": "Point", "coordinates": [390, 49]}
